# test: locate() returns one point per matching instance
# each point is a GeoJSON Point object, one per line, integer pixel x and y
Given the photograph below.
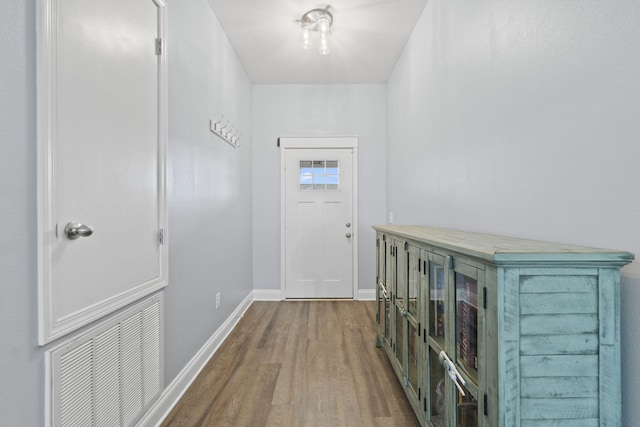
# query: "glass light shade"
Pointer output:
{"type": "Point", "coordinates": [324, 46]}
{"type": "Point", "coordinates": [323, 25]}
{"type": "Point", "coordinates": [306, 36]}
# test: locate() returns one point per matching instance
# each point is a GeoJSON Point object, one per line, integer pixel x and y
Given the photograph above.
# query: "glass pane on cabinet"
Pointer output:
{"type": "Point", "coordinates": [400, 320]}
{"type": "Point", "coordinates": [436, 390]}
{"type": "Point", "coordinates": [401, 284]}
{"type": "Point", "coordinates": [466, 323]}
{"type": "Point", "coordinates": [380, 308]}
{"type": "Point", "coordinates": [436, 302]}
{"type": "Point", "coordinates": [467, 409]}
{"type": "Point", "coordinates": [413, 282]}
{"type": "Point", "coordinates": [380, 261]}
{"type": "Point", "coordinates": [387, 315]}
{"type": "Point", "coordinates": [388, 266]}
{"type": "Point", "coordinates": [412, 368]}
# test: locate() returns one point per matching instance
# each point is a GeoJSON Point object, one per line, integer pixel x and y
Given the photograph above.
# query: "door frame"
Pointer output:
{"type": "Point", "coordinates": [49, 326]}
{"type": "Point", "coordinates": [348, 142]}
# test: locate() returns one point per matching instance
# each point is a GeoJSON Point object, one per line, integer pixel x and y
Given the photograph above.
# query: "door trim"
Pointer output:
{"type": "Point", "coordinates": [50, 327]}
{"type": "Point", "coordinates": [312, 143]}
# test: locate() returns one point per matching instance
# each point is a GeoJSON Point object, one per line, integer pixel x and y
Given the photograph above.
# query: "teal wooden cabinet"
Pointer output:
{"type": "Point", "coordinates": [486, 330]}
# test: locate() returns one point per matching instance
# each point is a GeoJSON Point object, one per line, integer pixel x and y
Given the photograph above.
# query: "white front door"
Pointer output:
{"type": "Point", "coordinates": [102, 159]}
{"type": "Point", "coordinates": [319, 223]}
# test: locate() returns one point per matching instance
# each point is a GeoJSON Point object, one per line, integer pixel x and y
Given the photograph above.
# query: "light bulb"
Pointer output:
{"type": "Point", "coordinates": [306, 36]}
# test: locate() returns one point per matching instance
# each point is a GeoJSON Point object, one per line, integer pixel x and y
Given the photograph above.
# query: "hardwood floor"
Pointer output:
{"type": "Point", "coordinates": [306, 363]}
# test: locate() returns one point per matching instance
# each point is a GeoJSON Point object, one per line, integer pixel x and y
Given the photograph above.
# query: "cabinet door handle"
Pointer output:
{"type": "Point", "coordinates": [453, 373]}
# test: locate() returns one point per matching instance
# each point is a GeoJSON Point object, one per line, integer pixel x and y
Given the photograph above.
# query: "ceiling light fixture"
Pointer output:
{"type": "Point", "coordinates": [318, 20]}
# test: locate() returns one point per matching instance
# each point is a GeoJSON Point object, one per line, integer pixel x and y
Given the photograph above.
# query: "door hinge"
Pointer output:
{"type": "Point", "coordinates": [451, 263]}
{"type": "Point", "coordinates": [161, 236]}
{"type": "Point", "coordinates": [419, 329]}
{"type": "Point", "coordinates": [158, 46]}
{"type": "Point", "coordinates": [419, 393]}
{"type": "Point", "coordinates": [419, 265]}
{"type": "Point", "coordinates": [484, 298]}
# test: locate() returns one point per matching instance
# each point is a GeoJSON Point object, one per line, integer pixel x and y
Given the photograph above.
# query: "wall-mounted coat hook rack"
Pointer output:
{"type": "Point", "coordinates": [226, 131]}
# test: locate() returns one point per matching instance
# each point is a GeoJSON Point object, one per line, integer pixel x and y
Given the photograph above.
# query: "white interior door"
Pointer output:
{"type": "Point", "coordinates": [102, 171]}
{"type": "Point", "coordinates": [319, 223]}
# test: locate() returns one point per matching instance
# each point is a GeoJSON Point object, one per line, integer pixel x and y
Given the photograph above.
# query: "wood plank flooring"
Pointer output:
{"type": "Point", "coordinates": [297, 363]}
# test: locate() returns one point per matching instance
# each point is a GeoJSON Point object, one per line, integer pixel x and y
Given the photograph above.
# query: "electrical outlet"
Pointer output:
{"type": "Point", "coordinates": [217, 300]}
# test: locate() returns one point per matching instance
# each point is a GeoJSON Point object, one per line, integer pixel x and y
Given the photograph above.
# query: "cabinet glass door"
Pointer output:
{"type": "Point", "coordinates": [466, 409]}
{"type": "Point", "coordinates": [389, 288]}
{"type": "Point", "coordinates": [383, 292]}
{"type": "Point", "coordinates": [381, 254]}
{"type": "Point", "coordinates": [412, 318]}
{"type": "Point", "coordinates": [399, 303]}
{"type": "Point", "coordinates": [382, 314]}
{"type": "Point", "coordinates": [399, 343]}
{"type": "Point", "coordinates": [437, 304]}
{"type": "Point", "coordinates": [467, 323]}
{"type": "Point", "coordinates": [389, 261]}
{"type": "Point", "coordinates": [437, 392]}
{"type": "Point", "coordinates": [413, 357]}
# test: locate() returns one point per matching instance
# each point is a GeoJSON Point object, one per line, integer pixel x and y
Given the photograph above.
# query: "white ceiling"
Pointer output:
{"type": "Point", "coordinates": [366, 39]}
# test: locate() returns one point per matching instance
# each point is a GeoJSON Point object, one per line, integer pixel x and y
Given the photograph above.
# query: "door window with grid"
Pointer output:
{"type": "Point", "coordinates": [319, 175]}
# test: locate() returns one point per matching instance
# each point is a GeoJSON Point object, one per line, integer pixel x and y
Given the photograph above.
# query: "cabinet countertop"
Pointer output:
{"type": "Point", "coordinates": [505, 250]}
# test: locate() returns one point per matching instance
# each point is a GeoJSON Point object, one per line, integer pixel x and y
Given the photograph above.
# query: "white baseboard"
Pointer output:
{"type": "Point", "coordinates": [174, 391]}
{"type": "Point", "coordinates": [267, 295]}
{"type": "Point", "coordinates": [276, 295]}
{"type": "Point", "coordinates": [366, 295]}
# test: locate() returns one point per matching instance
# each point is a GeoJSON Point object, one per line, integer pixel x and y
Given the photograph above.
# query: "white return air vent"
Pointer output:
{"type": "Point", "coordinates": [111, 374]}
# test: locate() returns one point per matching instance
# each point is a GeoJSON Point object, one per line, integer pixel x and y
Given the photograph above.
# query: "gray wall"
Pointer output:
{"type": "Point", "coordinates": [209, 182]}
{"type": "Point", "coordinates": [21, 361]}
{"type": "Point", "coordinates": [521, 118]}
{"type": "Point", "coordinates": [209, 198]}
{"type": "Point", "coordinates": [316, 110]}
